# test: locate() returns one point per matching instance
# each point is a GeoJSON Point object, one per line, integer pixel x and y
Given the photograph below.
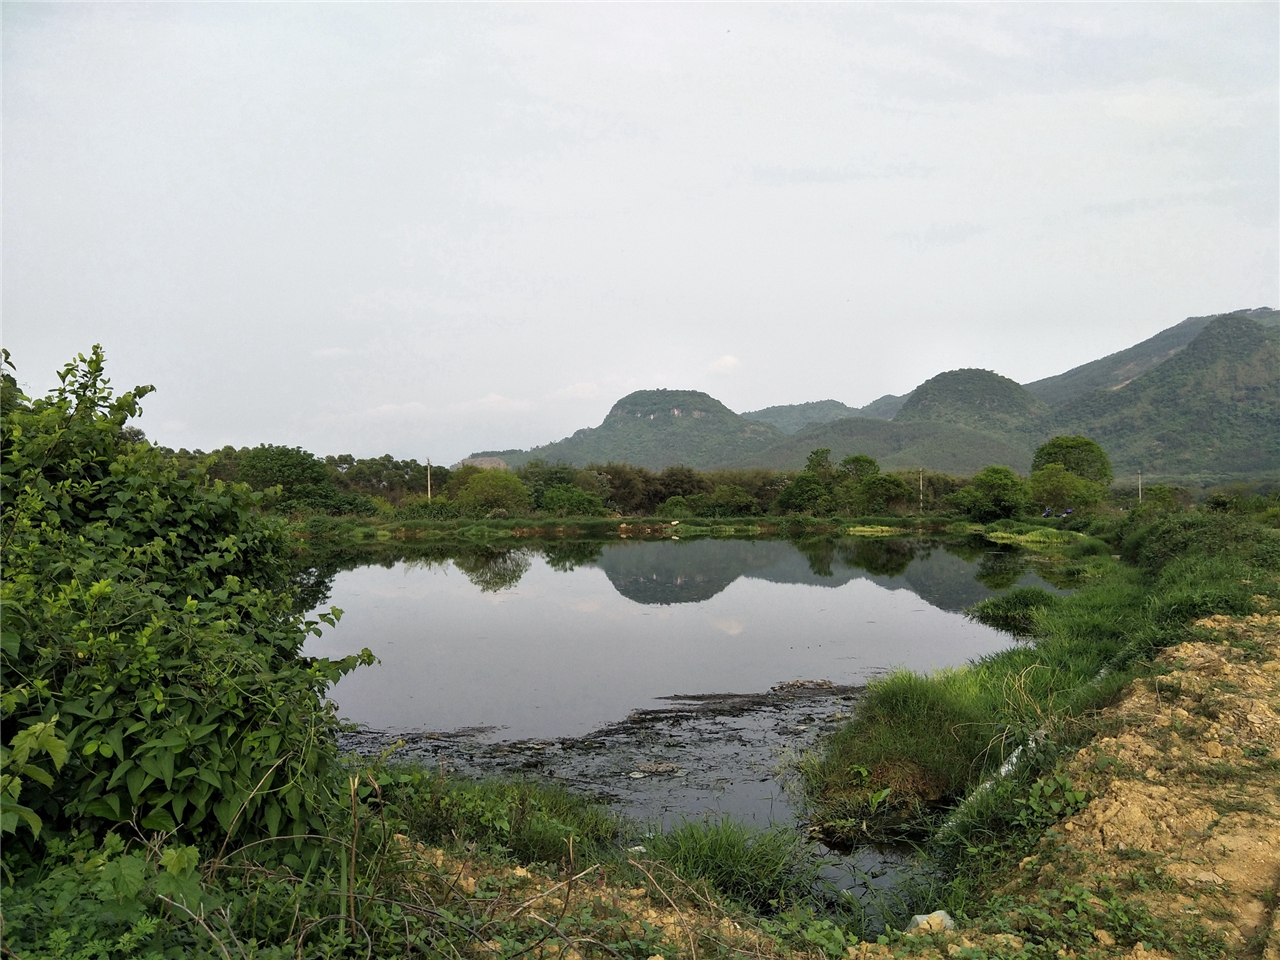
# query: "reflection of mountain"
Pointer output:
{"type": "Point", "coordinates": [667, 572]}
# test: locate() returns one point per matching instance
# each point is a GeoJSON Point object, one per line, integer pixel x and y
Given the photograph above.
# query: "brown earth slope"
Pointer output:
{"type": "Point", "coordinates": [1177, 852]}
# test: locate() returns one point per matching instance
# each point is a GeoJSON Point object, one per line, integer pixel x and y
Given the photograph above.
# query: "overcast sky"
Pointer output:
{"type": "Point", "coordinates": [431, 229]}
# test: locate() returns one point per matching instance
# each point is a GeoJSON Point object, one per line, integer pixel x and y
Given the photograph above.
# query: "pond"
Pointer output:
{"type": "Point", "coordinates": [530, 645]}
{"type": "Point", "coordinates": [671, 676]}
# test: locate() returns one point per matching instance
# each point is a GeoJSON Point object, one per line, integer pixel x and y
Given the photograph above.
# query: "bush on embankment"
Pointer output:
{"type": "Point", "coordinates": [918, 744]}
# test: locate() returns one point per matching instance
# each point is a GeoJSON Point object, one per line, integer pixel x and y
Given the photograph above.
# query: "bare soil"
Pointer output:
{"type": "Point", "coordinates": [1183, 822]}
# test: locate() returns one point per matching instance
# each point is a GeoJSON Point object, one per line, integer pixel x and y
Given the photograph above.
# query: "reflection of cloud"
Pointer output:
{"type": "Point", "coordinates": [732, 627]}
{"type": "Point", "coordinates": [331, 352]}
{"type": "Point", "coordinates": [494, 401]}
{"type": "Point", "coordinates": [586, 606]}
{"type": "Point", "coordinates": [725, 363]}
{"type": "Point", "coordinates": [578, 391]}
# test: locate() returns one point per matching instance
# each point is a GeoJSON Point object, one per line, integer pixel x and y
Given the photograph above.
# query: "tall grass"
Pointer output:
{"type": "Point", "coordinates": [917, 744]}
{"type": "Point", "coordinates": [761, 869]}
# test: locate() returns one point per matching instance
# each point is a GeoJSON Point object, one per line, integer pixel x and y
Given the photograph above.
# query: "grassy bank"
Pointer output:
{"type": "Point", "coordinates": [966, 761]}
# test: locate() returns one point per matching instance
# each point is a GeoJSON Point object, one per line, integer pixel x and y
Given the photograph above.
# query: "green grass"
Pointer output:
{"type": "Point", "coordinates": [917, 744]}
{"type": "Point", "coordinates": [761, 869]}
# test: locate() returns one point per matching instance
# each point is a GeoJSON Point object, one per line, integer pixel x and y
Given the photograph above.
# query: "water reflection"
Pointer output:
{"type": "Point", "coordinates": [949, 574]}
{"type": "Point", "coordinates": [558, 638]}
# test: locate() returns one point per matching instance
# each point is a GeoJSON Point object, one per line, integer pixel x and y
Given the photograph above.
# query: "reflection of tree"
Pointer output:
{"type": "Point", "coordinates": [311, 577]}
{"type": "Point", "coordinates": [819, 553]}
{"type": "Point", "coordinates": [493, 570]}
{"type": "Point", "coordinates": [566, 556]}
{"type": "Point", "coordinates": [888, 558]}
{"type": "Point", "coordinates": [967, 548]}
{"type": "Point", "coordinates": [1000, 569]}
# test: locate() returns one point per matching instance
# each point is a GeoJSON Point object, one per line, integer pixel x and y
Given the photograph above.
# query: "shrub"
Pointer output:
{"type": "Point", "coordinates": [994, 493]}
{"type": "Point", "coordinates": [566, 500]}
{"type": "Point", "coordinates": [493, 490]}
{"type": "Point", "coordinates": [148, 620]}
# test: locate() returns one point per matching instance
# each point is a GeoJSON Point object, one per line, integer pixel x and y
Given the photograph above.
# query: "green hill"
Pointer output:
{"type": "Point", "coordinates": [885, 408]}
{"type": "Point", "coordinates": [1117, 369]}
{"type": "Point", "coordinates": [795, 416]}
{"type": "Point", "coordinates": [930, 444]}
{"type": "Point", "coordinates": [1200, 400]}
{"type": "Point", "coordinates": [977, 399]}
{"type": "Point", "coordinates": [657, 429]}
{"type": "Point", "coordinates": [1213, 409]}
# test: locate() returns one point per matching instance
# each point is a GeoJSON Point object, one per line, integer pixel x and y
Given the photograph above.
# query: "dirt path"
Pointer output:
{"type": "Point", "coordinates": [1177, 853]}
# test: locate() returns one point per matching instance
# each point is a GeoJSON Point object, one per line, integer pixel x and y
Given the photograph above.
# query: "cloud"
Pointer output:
{"type": "Point", "coordinates": [331, 352]}
{"type": "Point", "coordinates": [731, 626]}
{"type": "Point", "coordinates": [725, 364]}
{"type": "Point", "coordinates": [398, 411]}
{"type": "Point", "coordinates": [493, 401]}
{"type": "Point", "coordinates": [577, 391]}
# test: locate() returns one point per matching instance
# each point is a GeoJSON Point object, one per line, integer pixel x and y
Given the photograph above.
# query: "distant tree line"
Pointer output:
{"type": "Point", "coordinates": [1069, 473]}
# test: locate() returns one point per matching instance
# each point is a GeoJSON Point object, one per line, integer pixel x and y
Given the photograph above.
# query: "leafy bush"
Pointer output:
{"type": "Point", "coordinates": [148, 618]}
{"type": "Point", "coordinates": [489, 490]}
{"type": "Point", "coordinates": [566, 500]}
{"type": "Point", "coordinates": [995, 493]}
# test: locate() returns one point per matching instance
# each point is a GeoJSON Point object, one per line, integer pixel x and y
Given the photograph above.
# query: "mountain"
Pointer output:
{"type": "Point", "coordinates": [1200, 400]}
{"type": "Point", "coordinates": [794, 416]}
{"type": "Point", "coordinates": [977, 399]}
{"type": "Point", "coordinates": [1117, 369]}
{"type": "Point", "coordinates": [657, 429]}
{"type": "Point", "coordinates": [934, 445]}
{"type": "Point", "coordinates": [1212, 409]}
{"type": "Point", "coordinates": [885, 408]}
{"type": "Point", "coordinates": [791, 417]}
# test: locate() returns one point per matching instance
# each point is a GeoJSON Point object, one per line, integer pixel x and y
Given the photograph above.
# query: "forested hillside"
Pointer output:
{"type": "Point", "coordinates": [1117, 369]}
{"type": "Point", "coordinates": [1199, 400]}
{"type": "Point", "coordinates": [1212, 409]}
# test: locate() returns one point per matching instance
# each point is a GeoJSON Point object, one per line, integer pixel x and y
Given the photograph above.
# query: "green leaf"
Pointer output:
{"type": "Point", "coordinates": [159, 819]}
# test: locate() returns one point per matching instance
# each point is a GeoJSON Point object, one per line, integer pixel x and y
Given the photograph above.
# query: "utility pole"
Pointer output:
{"type": "Point", "coordinates": [922, 491]}
{"type": "Point", "coordinates": [428, 479]}
{"type": "Point", "coordinates": [1139, 484]}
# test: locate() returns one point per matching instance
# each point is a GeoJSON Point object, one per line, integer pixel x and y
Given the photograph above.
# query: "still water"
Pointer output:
{"type": "Point", "coordinates": [559, 641]}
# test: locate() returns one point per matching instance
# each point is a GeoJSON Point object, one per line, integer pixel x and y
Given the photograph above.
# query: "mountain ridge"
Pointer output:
{"type": "Point", "coordinates": [1203, 399]}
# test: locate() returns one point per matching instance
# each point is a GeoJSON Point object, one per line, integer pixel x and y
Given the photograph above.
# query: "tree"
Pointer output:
{"type": "Point", "coordinates": [1055, 487]}
{"type": "Point", "coordinates": [490, 490]}
{"type": "Point", "coordinates": [566, 500]}
{"type": "Point", "coordinates": [860, 466]}
{"type": "Point", "coordinates": [806, 493]}
{"type": "Point", "coordinates": [819, 462]}
{"type": "Point", "coordinates": [994, 493]}
{"type": "Point", "coordinates": [1078, 455]}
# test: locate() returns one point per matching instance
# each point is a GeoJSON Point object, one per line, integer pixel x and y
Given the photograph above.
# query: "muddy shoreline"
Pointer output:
{"type": "Point", "coordinates": [720, 753]}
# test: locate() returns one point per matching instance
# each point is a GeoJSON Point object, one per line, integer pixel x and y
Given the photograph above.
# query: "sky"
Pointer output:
{"type": "Point", "coordinates": [432, 229]}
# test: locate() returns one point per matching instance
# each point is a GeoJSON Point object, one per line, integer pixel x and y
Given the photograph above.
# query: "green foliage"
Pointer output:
{"type": "Point", "coordinates": [759, 869]}
{"type": "Point", "coordinates": [150, 615]}
{"type": "Point", "coordinates": [490, 490]}
{"type": "Point", "coordinates": [1079, 456]}
{"type": "Point", "coordinates": [533, 822]}
{"type": "Point", "coordinates": [860, 466]}
{"type": "Point", "coordinates": [566, 500]}
{"type": "Point", "coordinates": [806, 493]}
{"type": "Point", "coordinates": [995, 493]}
{"type": "Point", "coordinates": [16, 763]}
{"type": "Point", "coordinates": [1057, 488]}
